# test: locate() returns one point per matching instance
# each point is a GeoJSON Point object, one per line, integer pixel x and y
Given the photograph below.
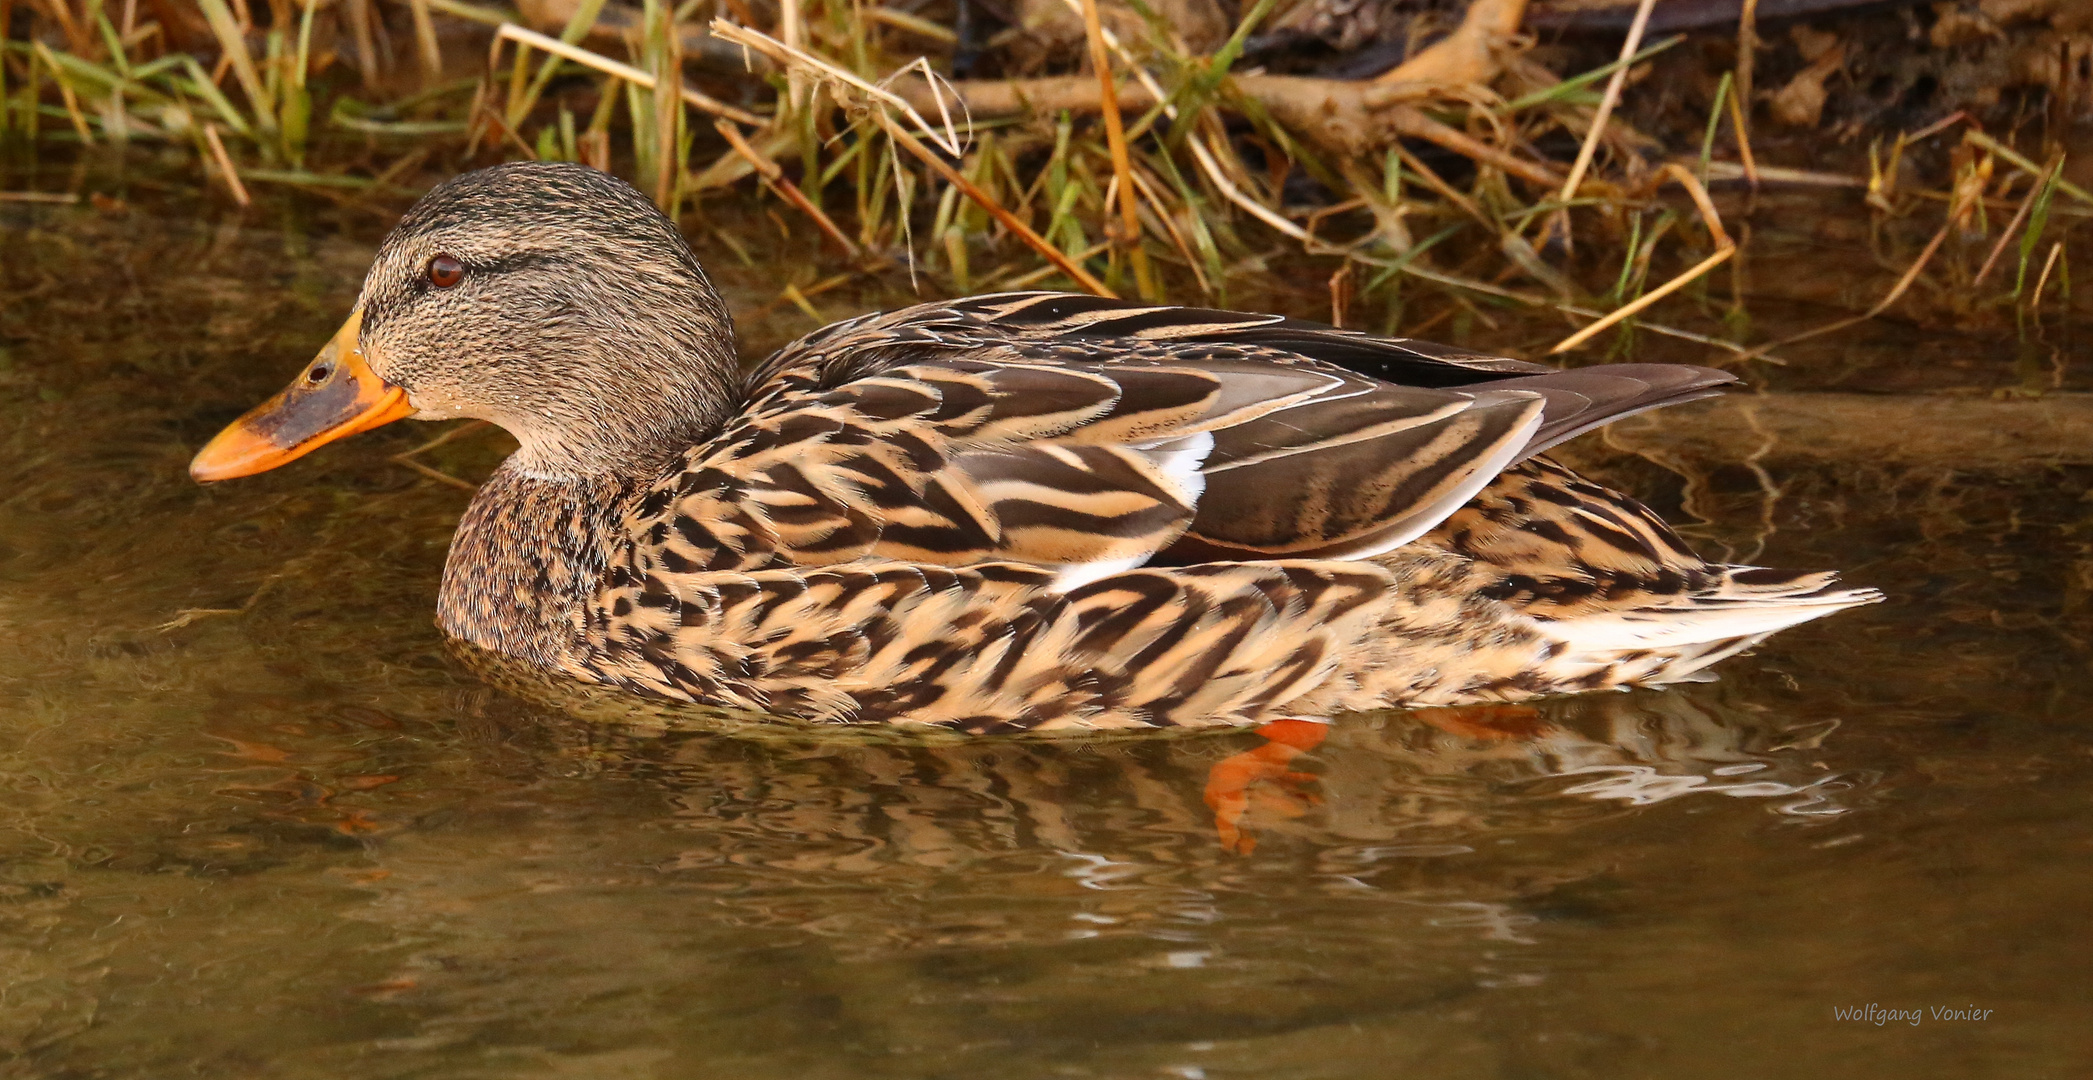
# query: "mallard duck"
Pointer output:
{"type": "Point", "coordinates": [1029, 511]}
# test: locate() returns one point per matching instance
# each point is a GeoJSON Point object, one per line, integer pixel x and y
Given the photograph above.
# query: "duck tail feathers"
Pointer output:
{"type": "Point", "coordinates": [1675, 639]}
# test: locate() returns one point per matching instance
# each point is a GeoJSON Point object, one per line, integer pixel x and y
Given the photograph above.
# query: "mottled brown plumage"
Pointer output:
{"type": "Point", "coordinates": [1020, 512]}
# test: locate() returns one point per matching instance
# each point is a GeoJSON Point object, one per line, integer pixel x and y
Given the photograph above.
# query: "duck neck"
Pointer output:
{"type": "Point", "coordinates": [641, 407]}
{"type": "Point", "coordinates": [530, 551]}
{"type": "Point", "coordinates": [527, 557]}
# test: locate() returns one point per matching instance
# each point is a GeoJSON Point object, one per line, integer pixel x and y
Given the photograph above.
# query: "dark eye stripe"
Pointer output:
{"type": "Point", "coordinates": [378, 311]}
{"type": "Point", "coordinates": [525, 260]}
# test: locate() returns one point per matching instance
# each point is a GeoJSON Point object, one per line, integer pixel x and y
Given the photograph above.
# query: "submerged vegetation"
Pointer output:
{"type": "Point", "coordinates": [1132, 147]}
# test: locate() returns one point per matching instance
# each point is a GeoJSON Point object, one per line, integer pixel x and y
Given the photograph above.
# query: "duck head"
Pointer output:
{"type": "Point", "coordinates": [551, 299]}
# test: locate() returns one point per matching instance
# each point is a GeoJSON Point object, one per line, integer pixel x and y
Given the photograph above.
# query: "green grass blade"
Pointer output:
{"type": "Point", "coordinates": [348, 121]}
{"type": "Point", "coordinates": [577, 28]}
{"type": "Point", "coordinates": [113, 43]}
{"type": "Point", "coordinates": [2038, 220]}
{"type": "Point", "coordinates": [307, 179]}
{"type": "Point", "coordinates": [1722, 97]}
{"type": "Point", "coordinates": [1579, 82]}
{"type": "Point", "coordinates": [1232, 50]}
{"type": "Point", "coordinates": [1402, 262]}
{"type": "Point", "coordinates": [227, 31]}
{"type": "Point", "coordinates": [200, 84]}
{"type": "Point", "coordinates": [299, 72]}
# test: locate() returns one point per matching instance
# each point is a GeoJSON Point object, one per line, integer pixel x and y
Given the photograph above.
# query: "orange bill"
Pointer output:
{"type": "Point", "coordinates": [336, 396]}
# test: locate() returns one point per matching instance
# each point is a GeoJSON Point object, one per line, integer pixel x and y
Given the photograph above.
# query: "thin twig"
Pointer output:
{"type": "Point", "coordinates": [1029, 278]}
{"type": "Point", "coordinates": [2021, 215]}
{"type": "Point", "coordinates": [1177, 236]}
{"type": "Point", "coordinates": [1725, 247]}
{"type": "Point", "coordinates": [1936, 127]}
{"type": "Point", "coordinates": [232, 43]}
{"type": "Point", "coordinates": [790, 58]}
{"type": "Point", "coordinates": [982, 199]}
{"type": "Point", "coordinates": [1896, 292]}
{"type": "Point", "coordinates": [488, 112]}
{"type": "Point", "coordinates": [1207, 164]}
{"type": "Point", "coordinates": [1122, 165]}
{"type": "Point", "coordinates": [790, 291]}
{"type": "Point", "coordinates": [668, 108]}
{"type": "Point", "coordinates": [1738, 120]}
{"type": "Point", "coordinates": [1740, 102]}
{"type": "Point", "coordinates": [1440, 187]}
{"type": "Point", "coordinates": [186, 616]}
{"type": "Point", "coordinates": [66, 94]}
{"type": "Point", "coordinates": [1234, 194]}
{"type": "Point", "coordinates": [437, 475]}
{"type": "Point", "coordinates": [2024, 165]}
{"type": "Point", "coordinates": [913, 24]}
{"type": "Point", "coordinates": [774, 176]}
{"type": "Point", "coordinates": [453, 432]}
{"type": "Point", "coordinates": [1590, 148]}
{"type": "Point", "coordinates": [1342, 287]}
{"type": "Point", "coordinates": [627, 72]}
{"type": "Point", "coordinates": [806, 306]}
{"type": "Point", "coordinates": [1701, 202]}
{"type": "Point", "coordinates": [425, 37]}
{"type": "Point", "coordinates": [792, 26]}
{"type": "Point", "coordinates": [1628, 310]}
{"type": "Point", "coordinates": [406, 457]}
{"type": "Point", "coordinates": [1487, 289]}
{"type": "Point", "coordinates": [2042, 282]}
{"type": "Point", "coordinates": [225, 165]}
{"type": "Point", "coordinates": [1775, 174]}
{"type": "Point", "coordinates": [1408, 120]}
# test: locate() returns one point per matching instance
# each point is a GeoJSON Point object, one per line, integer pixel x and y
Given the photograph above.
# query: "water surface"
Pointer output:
{"type": "Point", "coordinates": [256, 821]}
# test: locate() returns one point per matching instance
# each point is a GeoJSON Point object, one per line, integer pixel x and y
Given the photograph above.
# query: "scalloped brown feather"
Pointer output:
{"type": "Point", "coordinates": [1044, 511]}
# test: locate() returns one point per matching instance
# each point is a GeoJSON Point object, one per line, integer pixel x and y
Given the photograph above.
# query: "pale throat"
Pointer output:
{"type": "Point", "coordinates": [630, 437]}
{"type": "Point", "coordinates": [618, 410]}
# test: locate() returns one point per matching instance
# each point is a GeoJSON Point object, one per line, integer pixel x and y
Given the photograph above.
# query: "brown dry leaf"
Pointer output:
{"type": "Point", "coordinates": [1811, 42]}
{"type": "Point", "coordinates": [1952, 27]}
{"type": "Point", "coordinates": [1801, 102]}
{"type": "Point", "coordinates": [2062, 14]}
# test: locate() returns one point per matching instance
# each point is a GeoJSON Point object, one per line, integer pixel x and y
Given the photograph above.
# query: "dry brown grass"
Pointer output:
{"type": "Point", "coordinates": [1158, 172]}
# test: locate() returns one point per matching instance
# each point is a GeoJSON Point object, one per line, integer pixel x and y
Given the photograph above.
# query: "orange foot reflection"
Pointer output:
{"type": "Point", "coordinates": [1261, 776]}
{"type": "Point", "coordinates": [1486, 722]}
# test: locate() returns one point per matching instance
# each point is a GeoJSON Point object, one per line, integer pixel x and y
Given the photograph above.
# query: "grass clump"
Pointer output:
{"type": "Point", "coordinates": [1436, 194]}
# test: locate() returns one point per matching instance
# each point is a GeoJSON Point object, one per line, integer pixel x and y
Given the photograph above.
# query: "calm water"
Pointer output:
{"type": "Point", "coordinates": [291, 836]}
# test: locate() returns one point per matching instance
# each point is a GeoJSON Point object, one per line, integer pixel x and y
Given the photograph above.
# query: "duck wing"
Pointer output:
{"type": "Point", "coordinates": [1089, 436]}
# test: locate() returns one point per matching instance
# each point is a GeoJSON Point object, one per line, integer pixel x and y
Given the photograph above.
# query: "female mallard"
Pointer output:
{"type": "Point", "coordinates": [1017, 512]}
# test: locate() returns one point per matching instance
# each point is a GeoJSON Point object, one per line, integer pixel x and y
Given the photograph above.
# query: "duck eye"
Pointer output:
{"type": "Point", "coordinates": [445, 271]}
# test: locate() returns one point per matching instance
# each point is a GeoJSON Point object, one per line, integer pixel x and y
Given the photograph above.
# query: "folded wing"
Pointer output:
{"type": "Point", "coordinates": [1090, 436]}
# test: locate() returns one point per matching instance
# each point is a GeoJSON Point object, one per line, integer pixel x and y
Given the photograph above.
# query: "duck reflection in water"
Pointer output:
{"type": "Point", "coordinates": [1433, 776]}
{"type": "Point", "coordinates": [1263, 775]}
{"type": "Point", "coordinates": [1635, 755]}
